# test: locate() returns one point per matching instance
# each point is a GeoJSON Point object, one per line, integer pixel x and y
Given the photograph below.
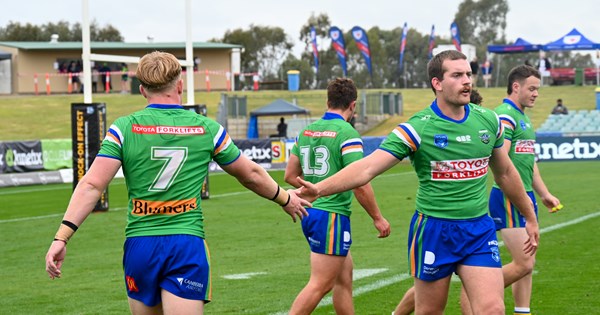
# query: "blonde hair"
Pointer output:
{"type": "Point", "coordinates": [158, 71]}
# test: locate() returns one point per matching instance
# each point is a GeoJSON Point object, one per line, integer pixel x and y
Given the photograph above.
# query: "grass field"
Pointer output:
{"type": "Point", "coordinates": [247, 234]}
{"type": "Point", "coordinates": [49, 117]}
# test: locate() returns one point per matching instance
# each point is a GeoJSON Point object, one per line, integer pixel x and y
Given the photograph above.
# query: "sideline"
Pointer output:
{"type": "Point", "coordinates": [326, 301]}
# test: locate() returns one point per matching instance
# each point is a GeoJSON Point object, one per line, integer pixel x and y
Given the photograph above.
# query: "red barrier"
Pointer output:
{"type": "Point", "coordinates": [35, 84]}
{"type": "Point", "coordinates": [207, 81]}
{"type": "Point", "coordinates": [255, 79]}
{"type": "Point", "coordinates": [228, 76]}
{"type": "Point", "coordinates": [107, 83]}
{"type": "Point", "coordinates": [47, 84]}
{"type": "Point", "coordinates": [70, 83]}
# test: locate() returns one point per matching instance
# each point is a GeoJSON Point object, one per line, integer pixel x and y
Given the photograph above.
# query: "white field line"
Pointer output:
{"type": "Point", "coordinates": [401, 277]}
{"type": "Point", "coordinates": [27, 190]}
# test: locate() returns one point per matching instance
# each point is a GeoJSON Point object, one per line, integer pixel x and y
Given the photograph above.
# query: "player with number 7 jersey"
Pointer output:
{"type": "Point", "coordinates": [165, 151]}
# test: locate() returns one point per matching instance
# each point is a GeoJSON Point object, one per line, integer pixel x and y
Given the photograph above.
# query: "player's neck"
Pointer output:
{"type": "Point", "coordinates": [166, 99]}
{"type": "Point", "coordinates": [515, 100]}
{"type": "Point", "coordinates": [344, 113]}
{"type": "Point", "coordinates": [456, 112]}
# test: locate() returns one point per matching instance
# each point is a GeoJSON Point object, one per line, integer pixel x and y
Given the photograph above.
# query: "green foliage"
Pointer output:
{"type": "Point", "coordinates": [66, 32]}
{"type": "Point", "coordinates": [482, 22]}
{"type": "Point", "coordinates": [248, 234]}
{"type": "Point", "coordinates": [265, 47]}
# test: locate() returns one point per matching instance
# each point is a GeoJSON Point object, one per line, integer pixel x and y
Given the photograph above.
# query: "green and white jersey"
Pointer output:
{"type": "Point", "coordinates": [324, 148]}
{"type": "Point", "coordinates": [165, 151]}
{"type": "Point", "coordinates": [519, 130]}
{"type": "Point", "coordinates": [450, 158]}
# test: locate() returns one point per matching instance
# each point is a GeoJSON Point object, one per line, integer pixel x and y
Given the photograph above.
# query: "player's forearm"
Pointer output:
{"type": "Point", "coordinates": [352, 176]}
{"type": "Point", "coordinates": [538, 183]}
{"type": "Point", "coordinates": [366, 198]}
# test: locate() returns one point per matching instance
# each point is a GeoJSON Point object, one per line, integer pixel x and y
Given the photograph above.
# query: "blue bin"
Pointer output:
{"type": "Point", "coordinates": [598, 98]}
{"type": "Point", "coordinates": [293, 80]}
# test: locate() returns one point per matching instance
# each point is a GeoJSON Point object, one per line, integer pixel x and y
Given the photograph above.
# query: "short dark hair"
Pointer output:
{"type": "Point", "coordinates": [559, 100]}
{"type": "Point", "coordinates": [520, 74]}
{"type": "Point", "coordinates": [476, 98]}
{"type": "Point", "coordinates": [434, 67]}
{"type": "Point", "coordinates": [340, 93]}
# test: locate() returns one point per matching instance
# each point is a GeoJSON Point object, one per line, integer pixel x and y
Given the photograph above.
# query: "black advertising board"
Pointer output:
{"type": "Point", "coordinates": [88, 128]}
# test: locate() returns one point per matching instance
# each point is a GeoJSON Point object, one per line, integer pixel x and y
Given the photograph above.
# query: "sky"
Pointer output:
{"type": "Point", "coordinates": [537, 21]}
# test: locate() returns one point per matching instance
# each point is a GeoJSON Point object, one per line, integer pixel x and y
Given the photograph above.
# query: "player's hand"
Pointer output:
{"type": "Point", "coordinates": [533, 231]}
{"type": "Point", "coordinates": [552, 203]}
{"type": "Point", "coordinates": [383, 226]}
{"type": "Point", "coordinates": [295, 208]}
{"type": "Point", "coordinates": [55, 258]}
{"type": "Point", "coordinates": [308, 191]}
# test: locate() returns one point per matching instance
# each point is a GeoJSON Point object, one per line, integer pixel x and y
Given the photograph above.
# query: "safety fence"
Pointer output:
{"type": "Point", "coordinates": [105, 79]}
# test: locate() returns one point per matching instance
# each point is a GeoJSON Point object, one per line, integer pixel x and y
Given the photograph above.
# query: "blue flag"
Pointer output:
{"type": "Point", "coordinates": [431, 42]}
{"type": "Point", "coordinates": [455, 35]}
{"type": "Point", "coordinates": [315, 50]}
{"type": "Point", "coordinates": [362, 43]}
{"type": "Point", "coordinates": [338, 43]}
{"type": "Point", "coordinates": [402, 46]}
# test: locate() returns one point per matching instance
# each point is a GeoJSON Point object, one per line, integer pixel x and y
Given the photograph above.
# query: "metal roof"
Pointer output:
{"type": "Point", "coordinates": [114, 45]}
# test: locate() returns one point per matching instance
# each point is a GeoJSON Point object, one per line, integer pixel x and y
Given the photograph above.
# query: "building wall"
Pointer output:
{"type": "Point", "coordinates": [27, 63]}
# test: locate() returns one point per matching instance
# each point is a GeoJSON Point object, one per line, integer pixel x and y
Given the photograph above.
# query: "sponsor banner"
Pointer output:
{"type": "Point", "coordinates": [278, 152]}
{"type": "Point", "coordinates": [57, 154]}
{"type": "Point", "coordinates": [585, 148]}
{"type": "Point", "coordinates": [31, 178]}
{"type": "Point", "coordinates": [258, 151]}
{"type": "Point", "coordinates": [21, 156]}
{"type": "Point", "coordinates": [88, 129]}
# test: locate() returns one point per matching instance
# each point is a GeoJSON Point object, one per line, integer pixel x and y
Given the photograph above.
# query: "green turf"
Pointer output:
{"type": "Point", "coordinates": [48, 117]}
{"type": "Point", "coordinates": [248, 234]}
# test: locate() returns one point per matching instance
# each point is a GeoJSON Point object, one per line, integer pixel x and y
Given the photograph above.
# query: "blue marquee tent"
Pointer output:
{"type": "Point", "coordinates": [277, 108]}
{"type": "Point", "coordinates": [520, 46]}
{"type": "Point", "coordinates": [573, 40]}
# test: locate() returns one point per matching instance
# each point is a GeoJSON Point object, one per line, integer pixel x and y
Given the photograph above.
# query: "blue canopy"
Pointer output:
{"type": "Point", "coordinates": [277, 108]}
{"type": "Point", "coordinates": [574, 40]}
{"type": "Point", "coordinates": [520, 46]}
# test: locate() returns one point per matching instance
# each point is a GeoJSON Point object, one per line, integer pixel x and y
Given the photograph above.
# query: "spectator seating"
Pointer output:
{"type": "Point", "coordinates": [581, 121]}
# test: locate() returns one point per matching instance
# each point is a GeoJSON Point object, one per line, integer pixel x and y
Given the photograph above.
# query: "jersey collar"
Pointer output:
{"type": "Point", "coordinates": [511, 103]}
{"type": "Point", "coordinates": [330, 116]}
{"type": "Point", "coordinates": [437, 111]}
{"type": "Point", "coordinates": [165, 106]}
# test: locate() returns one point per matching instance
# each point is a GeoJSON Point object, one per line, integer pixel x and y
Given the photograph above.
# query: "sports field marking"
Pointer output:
{"type": "Point", "coordinates": [401, 277]}
{"type": "Point", "coordinates": [364, 273]}
{"type": "Point", "coordinates": [240, 276]}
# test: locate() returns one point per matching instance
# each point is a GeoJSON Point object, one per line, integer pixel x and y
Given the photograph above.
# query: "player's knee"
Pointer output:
{"type": "Point", "coordinates": [526, 266]}
{"type": "Point", "coordinates": [491, 307]}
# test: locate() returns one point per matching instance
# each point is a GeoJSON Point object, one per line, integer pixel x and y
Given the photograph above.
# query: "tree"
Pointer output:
{"type": "Point", "coordinates": [66, 32]}
{"type": "Point", "coordinates": [329, 66]}
{"type": "Point", "coordinates": [302, 65]}
{"type": "Point", "coordinates": [482, 23]}
{"type": "Point", "coordinates": [265, 48]}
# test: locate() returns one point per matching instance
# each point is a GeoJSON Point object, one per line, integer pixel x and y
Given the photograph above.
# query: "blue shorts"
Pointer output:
{"type": "Point", "coordinates": [327, 232]}
{"type": "Point", "coordinates": [437, 246]}
{"type": "Point", "coordinates": [504, 213]}
{"type": "Point", "coordinates": [179, 264]}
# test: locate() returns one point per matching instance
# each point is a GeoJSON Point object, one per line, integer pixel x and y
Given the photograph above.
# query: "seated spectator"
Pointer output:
{"type": "Point", "coordinates": [560, 109]}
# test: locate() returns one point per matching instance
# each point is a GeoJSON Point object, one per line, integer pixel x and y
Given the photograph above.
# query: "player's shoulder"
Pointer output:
{"type": "Point", "coordinates": [482, 112]}
{"type": "Point", "coordinates": [505, 108]}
